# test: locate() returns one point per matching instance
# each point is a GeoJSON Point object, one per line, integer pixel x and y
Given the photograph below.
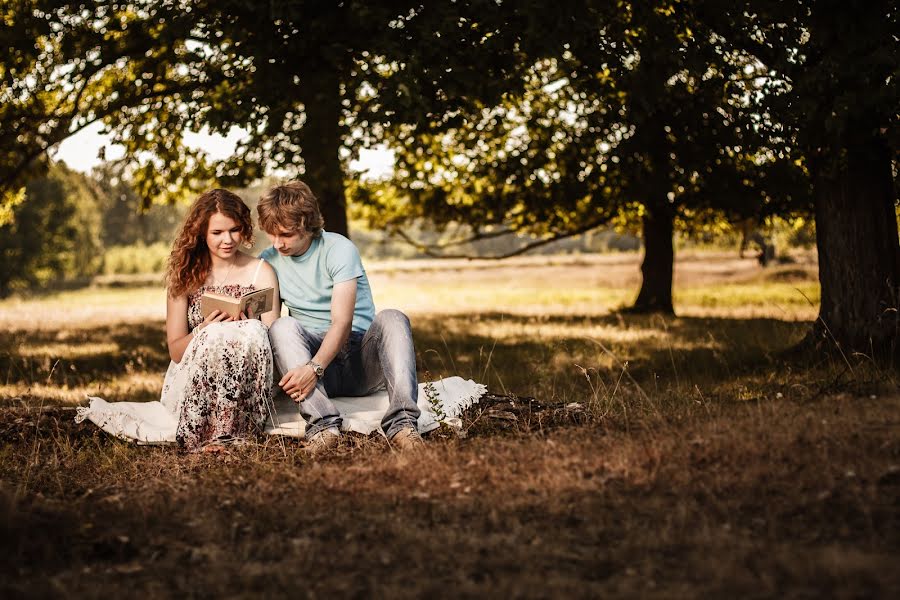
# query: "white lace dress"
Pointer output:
{"type": "Point", "coordinates": [222, 388]}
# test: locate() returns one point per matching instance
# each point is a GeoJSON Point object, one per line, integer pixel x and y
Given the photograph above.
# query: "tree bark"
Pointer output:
{"type": "Point", "coordinates": [320, 141]}
{"type": "Point", "coordinates": [859, 252]}
{"type": "Point", "coordinates": [658, 264]}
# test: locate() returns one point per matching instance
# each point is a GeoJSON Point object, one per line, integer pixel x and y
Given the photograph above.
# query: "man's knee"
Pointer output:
{"type": "Point", "coordinates": [284, 330]}
{"type": "Point", "coordinates": [392, 319]}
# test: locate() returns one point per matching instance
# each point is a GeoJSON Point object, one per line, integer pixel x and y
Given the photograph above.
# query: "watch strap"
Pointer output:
{"type": "Point", "coordinates": [318, 369]}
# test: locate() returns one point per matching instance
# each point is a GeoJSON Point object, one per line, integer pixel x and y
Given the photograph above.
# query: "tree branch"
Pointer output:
{"type": "Point", "coordinates": [57, 136]}
{"type": "Point", "coordinates": [429, 250]}
{"type": "Point", "coordinates": [475, 237]}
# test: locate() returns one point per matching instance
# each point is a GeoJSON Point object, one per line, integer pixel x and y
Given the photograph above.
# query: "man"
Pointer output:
{"type": "Point", "coordinates": [333, 343]}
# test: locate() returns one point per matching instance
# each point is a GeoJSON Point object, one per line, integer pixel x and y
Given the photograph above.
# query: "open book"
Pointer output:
{"type": "Point", "coordinates": [251, 304]}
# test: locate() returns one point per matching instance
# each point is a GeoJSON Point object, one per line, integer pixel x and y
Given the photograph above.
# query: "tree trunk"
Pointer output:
{"type": "Point", "coordinates": [859, 253]}
{"type": "Point", "coordinates": [320, 141]}
{"type": "Point", "coordinates": [658, 264]}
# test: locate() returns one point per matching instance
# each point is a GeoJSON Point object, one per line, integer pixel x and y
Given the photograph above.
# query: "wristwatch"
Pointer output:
{"type": "Point", "coordinates": [318, 369]}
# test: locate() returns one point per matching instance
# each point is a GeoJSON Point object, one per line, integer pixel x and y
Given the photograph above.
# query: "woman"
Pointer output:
{"type": "Point", "coordinates": [219, 383]}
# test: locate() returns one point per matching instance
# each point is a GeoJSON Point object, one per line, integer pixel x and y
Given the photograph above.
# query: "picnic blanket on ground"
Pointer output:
{"type": "Point", "coordinates": [152, 423]}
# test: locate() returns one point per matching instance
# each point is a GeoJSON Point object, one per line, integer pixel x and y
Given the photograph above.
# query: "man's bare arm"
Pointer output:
{"type": "Point", "coordinates": [302, 379]}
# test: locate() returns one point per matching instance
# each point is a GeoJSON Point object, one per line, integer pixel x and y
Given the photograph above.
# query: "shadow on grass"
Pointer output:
{"type": "Point", "coordinates": [680, 351]}
{"type": "Point", "coordinates": [749, 506]}
{"type": "Point", "coordinates": [78, 356]}
{"type": "Point", "coordinates": [554, 358]}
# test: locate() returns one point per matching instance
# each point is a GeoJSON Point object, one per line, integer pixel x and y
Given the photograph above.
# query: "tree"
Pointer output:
{"type": "Point", "coordinates": [308, 80]}
{"type": "Point", "coordinates": [324, 79]}
{"type": "Point", "coordinates": [636, 111]}
{"type": "Point", "coordinates": [54, 234]}
{"type": "Point", "coordinates": [833, 92]}
{"type": "Point", "coordinates": [124, 221]}
{"type": "Point", "coordinates": [71, 64]}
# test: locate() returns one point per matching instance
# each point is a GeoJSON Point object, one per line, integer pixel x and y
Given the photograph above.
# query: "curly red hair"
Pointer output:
{"type": "Point", "coordinates": [189, 261]}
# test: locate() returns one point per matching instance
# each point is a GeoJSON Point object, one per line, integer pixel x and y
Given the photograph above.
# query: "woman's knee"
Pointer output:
{"type": "Point", "coordinates": [256, 327]}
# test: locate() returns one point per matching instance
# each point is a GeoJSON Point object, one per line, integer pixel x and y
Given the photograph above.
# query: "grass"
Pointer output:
{"type": "Point", "coordinates": [618, 455]}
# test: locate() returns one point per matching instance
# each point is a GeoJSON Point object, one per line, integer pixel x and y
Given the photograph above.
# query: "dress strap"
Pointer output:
{"type": "Point", "coordinates": [258, 267]}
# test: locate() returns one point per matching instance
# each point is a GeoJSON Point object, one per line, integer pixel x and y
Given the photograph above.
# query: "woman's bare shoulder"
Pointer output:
{"type": "Point", "coordinates": [246, 268]}
{"type": "Point", "coordinates": [267, 275]}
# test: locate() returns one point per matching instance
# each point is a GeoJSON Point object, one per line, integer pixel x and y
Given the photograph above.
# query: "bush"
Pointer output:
{"type": "Point", "coordinates": [135, 259]}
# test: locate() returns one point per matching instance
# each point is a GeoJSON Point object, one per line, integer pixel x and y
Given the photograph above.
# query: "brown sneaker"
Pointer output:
{"type": "Point", "coordinates": [407, 439]}
{"type": "Point", "coordinates": [322, 442]}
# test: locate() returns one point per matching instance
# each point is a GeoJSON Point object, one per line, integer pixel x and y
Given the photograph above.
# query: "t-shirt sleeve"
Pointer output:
{"type": "Point", "coordinates": [344, 262]}
{"type": "Point", "coordinates": [267, 255]}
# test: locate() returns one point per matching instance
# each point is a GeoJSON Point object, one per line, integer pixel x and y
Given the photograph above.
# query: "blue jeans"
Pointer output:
{"type": "Point", "coordinates": [381, 357]}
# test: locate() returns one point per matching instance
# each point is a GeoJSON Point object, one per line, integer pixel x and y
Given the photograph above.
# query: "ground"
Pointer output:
{"type": "Point", "coordinates": [617, 455]}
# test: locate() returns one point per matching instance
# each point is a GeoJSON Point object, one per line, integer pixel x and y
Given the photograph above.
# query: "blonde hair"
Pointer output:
{"type": "Point", "coordinates": [291, 207]}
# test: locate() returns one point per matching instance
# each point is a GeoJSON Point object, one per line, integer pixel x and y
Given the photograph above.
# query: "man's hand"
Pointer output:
{"type": "Point", "coordinates": [299, 382]}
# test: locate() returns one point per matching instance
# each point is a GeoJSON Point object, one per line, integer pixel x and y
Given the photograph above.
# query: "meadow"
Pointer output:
{"type": "Point", "coordinates": [616, 454]}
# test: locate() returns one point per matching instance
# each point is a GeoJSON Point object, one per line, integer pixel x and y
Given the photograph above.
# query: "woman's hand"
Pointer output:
{"type": "Point", "coordinates": [216, 316]}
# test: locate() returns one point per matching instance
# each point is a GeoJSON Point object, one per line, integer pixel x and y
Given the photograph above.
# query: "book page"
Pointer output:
{"type": "Point", "coordinates": [257, 302]}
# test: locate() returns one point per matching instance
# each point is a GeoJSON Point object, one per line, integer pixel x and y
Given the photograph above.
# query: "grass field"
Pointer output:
{"type": "Point", "coordinates": [617, 455]}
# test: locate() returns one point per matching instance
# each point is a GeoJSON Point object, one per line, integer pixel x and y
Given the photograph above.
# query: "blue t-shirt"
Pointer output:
{"type": "Point", "coordinates": [306, 282]}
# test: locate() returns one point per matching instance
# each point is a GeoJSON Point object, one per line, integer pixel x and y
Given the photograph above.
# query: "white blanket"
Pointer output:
{"type": "Point", "coordinates": [152, 423]}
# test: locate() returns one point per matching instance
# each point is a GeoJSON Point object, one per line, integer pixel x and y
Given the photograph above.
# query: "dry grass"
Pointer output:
{"type": "Point", "coordinates": [620, 455]}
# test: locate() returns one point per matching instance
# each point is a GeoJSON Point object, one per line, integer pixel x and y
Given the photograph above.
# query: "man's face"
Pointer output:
{"type": "Point", "coordinates": [290, 243]}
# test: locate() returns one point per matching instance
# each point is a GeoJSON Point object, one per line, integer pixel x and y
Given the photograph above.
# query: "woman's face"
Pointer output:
{"type": "Point", "coordinates": [223, 236]}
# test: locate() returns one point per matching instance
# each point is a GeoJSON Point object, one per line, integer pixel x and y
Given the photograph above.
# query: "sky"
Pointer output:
{"type": "Point", "coordinates": [80, 151]}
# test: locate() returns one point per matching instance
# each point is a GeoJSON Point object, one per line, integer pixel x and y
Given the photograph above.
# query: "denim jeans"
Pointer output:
{"type": "Point", "coordinates": [381, 357]}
